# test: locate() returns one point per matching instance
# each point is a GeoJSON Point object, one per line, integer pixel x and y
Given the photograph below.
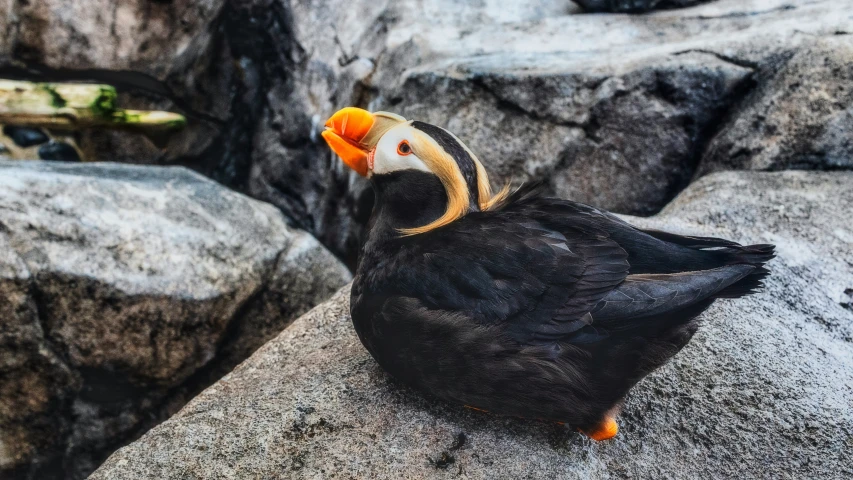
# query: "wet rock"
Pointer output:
{"type": "Point", "coordinates": [60, 151]}
{"type": "Point", "coordinates": [25, 136]}
{"type": "Point", "coordinates": [130, 289]}
{"type": "Point", "coordinates": [799, 117]}
{"type": "Point", "coordinates": [763, 390]}
{"type": "Point", "coordinates": [58, 143]}
{"type": "Point", "coordinates": [634, 6]}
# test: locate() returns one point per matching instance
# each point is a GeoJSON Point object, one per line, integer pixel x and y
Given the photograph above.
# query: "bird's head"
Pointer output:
{"type": "Point", "coordinates": [383, 145]}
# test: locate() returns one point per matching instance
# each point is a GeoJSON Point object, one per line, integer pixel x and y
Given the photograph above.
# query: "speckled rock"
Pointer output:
{"type": "Point", "coordinates": [763, 390]}
{"type": "Point", "coordinates": [126, 290]}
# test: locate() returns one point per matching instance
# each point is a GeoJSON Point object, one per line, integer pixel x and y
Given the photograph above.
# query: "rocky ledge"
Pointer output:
{"type": "Point", "coordinates": [123, 292]}
{"type": "Point", "coordinates": [763, 390]}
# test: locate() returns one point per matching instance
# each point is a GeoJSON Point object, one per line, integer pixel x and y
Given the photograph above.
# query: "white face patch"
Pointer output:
{"type": "Point", "coordinates": [386, 157]}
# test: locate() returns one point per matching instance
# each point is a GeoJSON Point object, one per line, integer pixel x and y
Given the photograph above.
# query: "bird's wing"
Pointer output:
{"type": "Point", "coordinates": [500, 268]}
{"type": "Point", "coordinates": [647, 295]}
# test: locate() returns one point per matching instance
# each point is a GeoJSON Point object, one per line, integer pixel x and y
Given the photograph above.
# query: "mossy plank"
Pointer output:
{"type": "Point", "coordinates": [75, 105]}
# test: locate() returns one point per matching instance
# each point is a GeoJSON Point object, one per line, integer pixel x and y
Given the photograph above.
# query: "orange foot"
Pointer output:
{"type": "Point", "coordinates": [605, 430]}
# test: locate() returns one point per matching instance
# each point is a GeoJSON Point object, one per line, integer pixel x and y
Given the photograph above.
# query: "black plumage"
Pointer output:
{"type": "Point", "coordinates": [533, 307]}
{"type": "Point", "coordinates": [541, 308]}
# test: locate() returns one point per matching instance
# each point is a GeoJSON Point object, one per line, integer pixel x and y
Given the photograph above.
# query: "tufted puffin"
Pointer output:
{"type": "Point", "coordinates": [513, 302]}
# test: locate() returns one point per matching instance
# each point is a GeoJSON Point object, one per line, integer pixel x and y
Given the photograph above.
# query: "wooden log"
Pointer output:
{"type": "Point", "coordinates": [75, 106]}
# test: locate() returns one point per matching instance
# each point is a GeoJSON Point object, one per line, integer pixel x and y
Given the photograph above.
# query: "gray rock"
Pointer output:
{"type": "Point", "coordinates": [622, 141]}
{"type": "Point", "coordinates": [634, 6]}
{"type": "Point", "coordinates": [762, 391]}
{"type": "Point", "coordinates": [129, 289]}
{"type": "Point", "coordinates": [800, 115]}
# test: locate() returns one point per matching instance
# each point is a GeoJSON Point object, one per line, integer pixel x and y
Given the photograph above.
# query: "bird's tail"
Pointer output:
{"type": "Point", "coordinates": [756, 255]}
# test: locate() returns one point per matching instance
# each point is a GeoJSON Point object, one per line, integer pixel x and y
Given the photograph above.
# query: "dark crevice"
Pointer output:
{"type": "Point", "coordinates": [635, 6]}
{"type": "Point", "coordinates": [40, 302]}
{"type": "Point", "coordinates": [721, 117]}
{"type": "Point", "coordinates": [726, 58]}
{"type": "Point", "coordinates": [252, 36]}
{"type": "Point", "coordinates": [345, 58]}
{"type": "Point", "coordinates": [52, 463]}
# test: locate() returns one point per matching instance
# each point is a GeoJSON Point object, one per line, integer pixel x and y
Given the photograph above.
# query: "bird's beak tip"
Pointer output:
{"type": "Point", "coordinates": [344, 133]}
{"type": "Point", "coordinates": [354, 156]}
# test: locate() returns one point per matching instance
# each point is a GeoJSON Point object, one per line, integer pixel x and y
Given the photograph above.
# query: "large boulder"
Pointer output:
{"type": "Point", "coordinates": [763, 390]}
{"type": "Point", "coordinates": [124, 291]}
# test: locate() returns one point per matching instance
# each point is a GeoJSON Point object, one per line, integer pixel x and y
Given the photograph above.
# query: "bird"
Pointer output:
{"type": "Point", "coordinates": [511, 301]}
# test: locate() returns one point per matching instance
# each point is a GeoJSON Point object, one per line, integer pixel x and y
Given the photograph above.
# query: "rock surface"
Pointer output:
{"type": "Point", "coordinates": [125, 290]}
{"type": "Point", "coordinates": [763, 390]}
{"type": "Point", "coordinates": [799, 117]}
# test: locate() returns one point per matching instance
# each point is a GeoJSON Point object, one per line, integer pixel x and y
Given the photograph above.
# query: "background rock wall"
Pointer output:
{"type": "Point", "coordinates": [617, 110]}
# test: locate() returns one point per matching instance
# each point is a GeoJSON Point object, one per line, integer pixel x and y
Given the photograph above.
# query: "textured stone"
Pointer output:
{"type": "Point", "coordinates": [799, 117]}
{"type": "Point", "coordinates": [762, 391]}
{"type": "Point", "coordinates": [129, 286]}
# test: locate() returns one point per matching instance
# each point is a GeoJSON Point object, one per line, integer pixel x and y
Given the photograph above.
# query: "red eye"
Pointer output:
{"type": "Point", "coordinates": [404, 148]}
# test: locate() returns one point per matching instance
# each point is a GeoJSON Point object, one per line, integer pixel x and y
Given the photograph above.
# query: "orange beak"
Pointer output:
{"type": "Point", "coordinates": [345, 132]}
